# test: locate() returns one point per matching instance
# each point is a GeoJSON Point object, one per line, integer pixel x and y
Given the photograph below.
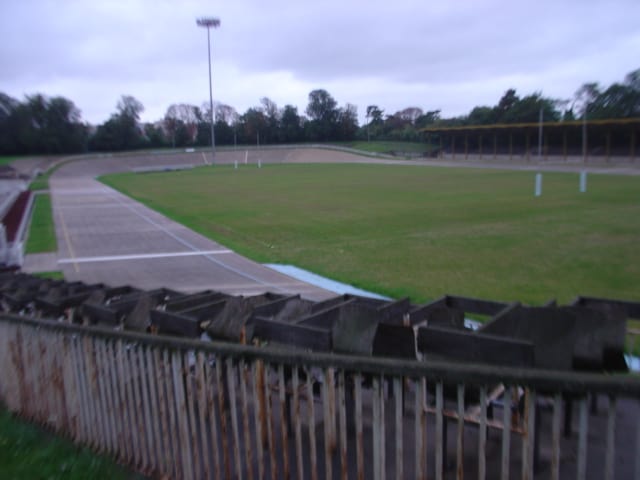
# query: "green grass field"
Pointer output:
{"type": "Point", "coordinates": [418, 231]}
{"type": "Point", "coordinates": [28, 452]}
{"type": "Point", "coordinates": [387, 147]}
{"type": "Point", "coordinates": [42, 234]}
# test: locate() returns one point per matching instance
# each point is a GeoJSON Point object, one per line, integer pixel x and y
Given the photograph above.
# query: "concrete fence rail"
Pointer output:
{"type": "Point", "coordinates": [188, 409]}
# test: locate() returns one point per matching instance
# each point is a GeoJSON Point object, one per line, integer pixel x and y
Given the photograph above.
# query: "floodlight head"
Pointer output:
{"type": "Point", "coordinates": [208, 22]}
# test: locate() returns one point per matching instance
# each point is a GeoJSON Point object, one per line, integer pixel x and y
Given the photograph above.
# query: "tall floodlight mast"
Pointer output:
{"type": "Point", "coordinates": [208, 23]}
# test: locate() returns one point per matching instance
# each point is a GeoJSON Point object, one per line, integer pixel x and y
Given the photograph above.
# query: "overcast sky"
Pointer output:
{"type": "Point", "coordinates": [447, 55]}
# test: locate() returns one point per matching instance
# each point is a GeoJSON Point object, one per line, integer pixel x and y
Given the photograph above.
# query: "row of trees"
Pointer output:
{"type": "Point", "coordinates": [41, 125]}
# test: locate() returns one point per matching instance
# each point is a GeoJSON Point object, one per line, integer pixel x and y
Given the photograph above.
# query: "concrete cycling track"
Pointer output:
{"type": "Point", "coordinates": [106, 237]}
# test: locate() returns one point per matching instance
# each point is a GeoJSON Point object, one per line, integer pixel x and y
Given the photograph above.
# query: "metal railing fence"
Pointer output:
{"type": "Point", "coordinates": [190, 409]}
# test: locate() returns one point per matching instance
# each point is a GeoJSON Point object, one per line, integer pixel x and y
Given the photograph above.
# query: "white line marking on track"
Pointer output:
{"type": "Point", "coordinates": [129, 204]}
{"type": "Point", "coordinates": [87, 205]}
{"type": "Point", "coordinates": [141, 256]}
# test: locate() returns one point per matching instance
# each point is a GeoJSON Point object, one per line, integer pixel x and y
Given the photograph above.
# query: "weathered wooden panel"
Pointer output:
{"type": "Point", "coordinates": [468, 346]}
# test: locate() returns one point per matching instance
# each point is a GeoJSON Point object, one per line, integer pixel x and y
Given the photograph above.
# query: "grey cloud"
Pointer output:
{"type": "Point", "coordinates": [454, 54]}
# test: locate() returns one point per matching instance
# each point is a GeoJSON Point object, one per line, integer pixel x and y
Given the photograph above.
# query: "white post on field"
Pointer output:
{"type": "Point", "coordinates": [235, 164]}
{"type": "Point", "coordinates": [538, 190]}
{"type": "Point", "coordinates": [259, 163]}
{"type": "Point", "coordinates": [246, 156]}
{"type": "Point", "coordinates": [583, 181]}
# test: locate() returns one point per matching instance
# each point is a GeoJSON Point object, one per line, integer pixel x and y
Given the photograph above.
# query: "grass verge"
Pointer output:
{"type": "Point", "coordinates": [41, 182]}
{"type": "Point", "coordinates": [417, 231]}
{"type": "Point", "coordinates": [27, 451]}
{"type": "Point", "coordinates": [53, 275]}
{"type": "Point", "coordinates": [42, 235]}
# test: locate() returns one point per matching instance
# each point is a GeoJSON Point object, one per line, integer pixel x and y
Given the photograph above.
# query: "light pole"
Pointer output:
{"type": "Point", "coordinates": [540, 135]}
{"type": "Point", "coordinates": [208, 23]}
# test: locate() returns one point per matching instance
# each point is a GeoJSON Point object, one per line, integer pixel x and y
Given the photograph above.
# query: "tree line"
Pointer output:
{"type": "Point", "coordinates": [53, 125]}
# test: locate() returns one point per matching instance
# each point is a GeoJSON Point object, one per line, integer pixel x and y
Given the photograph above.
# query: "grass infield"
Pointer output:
{"type": "Point", "coordinates": [418, 231]}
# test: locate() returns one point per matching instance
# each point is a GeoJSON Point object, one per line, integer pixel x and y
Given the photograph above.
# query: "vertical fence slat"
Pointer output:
{"type": "Point", "coordinates": [166, 462]}
{"type": "Point", "coordinates": [245, 419]}
{"type": "Point", "coordinates": [212, 412]}
{"type": "Point", "coordinates": [56, 381]}
{"type": "Point", "coordinates": [273, 461]}
{"type": "Point", "coordinates": [377, 436]}
{"type": "Point", "coordinates": [312, 426]}
{"type": "Point", "coordinates": [555, 436]}
{"type": "Point", "coordinates": [222, 411]}
{"type": "Point", "coordinates": [421, 427]}
{"type": "Point", "coordinates": [611, 439]}
{"type": "Point", "coordinates": [104, 384]}
{"type": "Point", "coordinates": [28, 394]}
{"type": "Point", "coordinates": [103, 381]}
{"type": "Point", "coordinates": [342, 421]}
{"type": "Point", "coordinates": [138, 380]}
{"type": "Point", "coordinates": [194, 440]}
{"type": "Point", "coordinates": [332, 409]}
{"type": "Point", "coordinates": [282, 395]}
{"type": "Point", "coordinates": [43, 367]}
{"type": "Point", "coordinates": [506, 432]}
{"type": "Point", "coordinates": [482, 435]}
{"type": "Point", "coordinates": [460, 434]}
{"type": "Point", "coordinates": [77, 354]}
{"type": "Point", "coordinates": [94, 395]}
{"type": "Point", "coordinates": [357, 397]}
{"type": "Point", "coordinates": [23, 355]}
{"type": "Point", "coordinates": [134, 376]}
{"type": "Point", "coordinates": [125, 385]}
{"type": "Point", "coordinates": [150, 419]}
{"type": "Point", "coordinates": [41, 406]}
{"type": "Point", "coordinates": [179, 379]}
{"type": "Point", "coordinates": [231, 383]}
{"type": "Point", "coordinates": [258, 397]}
{"type": "Point", "coordinates": [132, 405]}
{"type": "Point", "coordinates": [174, 432]}
{"type": "Point", "coordinates": [202, 414]}
{"type": "Point", "coordinates": [398, 394]}
{"type": "Point", "coordinates": [32, 375]}
{"type": "Point", "coordinates": [440, 436]}
{"type": "Point", "coordinates": [112, 405]}
{"type": "Point", "coordinates": [528, 440]}
{"type": "Point", "coordinates": [121, 404]}
{"type": "Point", "coordinates": [8, 389]}
{"type": "Point", "coordinates": [583, 430]}
{"type": "Point", "coordinates": [134, 411]}
{"type": "Point", "coordinates": [71, 392]}
{"type": "Point", "coordinates": [297, 427]}
{"type": "Point", "coordinates": [154, 413]}
{"type": "Point", "coordinates": [383, 456]}
{"type": "Point", "coordinates": [326, 421]}
{"type": "Point", "coordinates": [58, 393]}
